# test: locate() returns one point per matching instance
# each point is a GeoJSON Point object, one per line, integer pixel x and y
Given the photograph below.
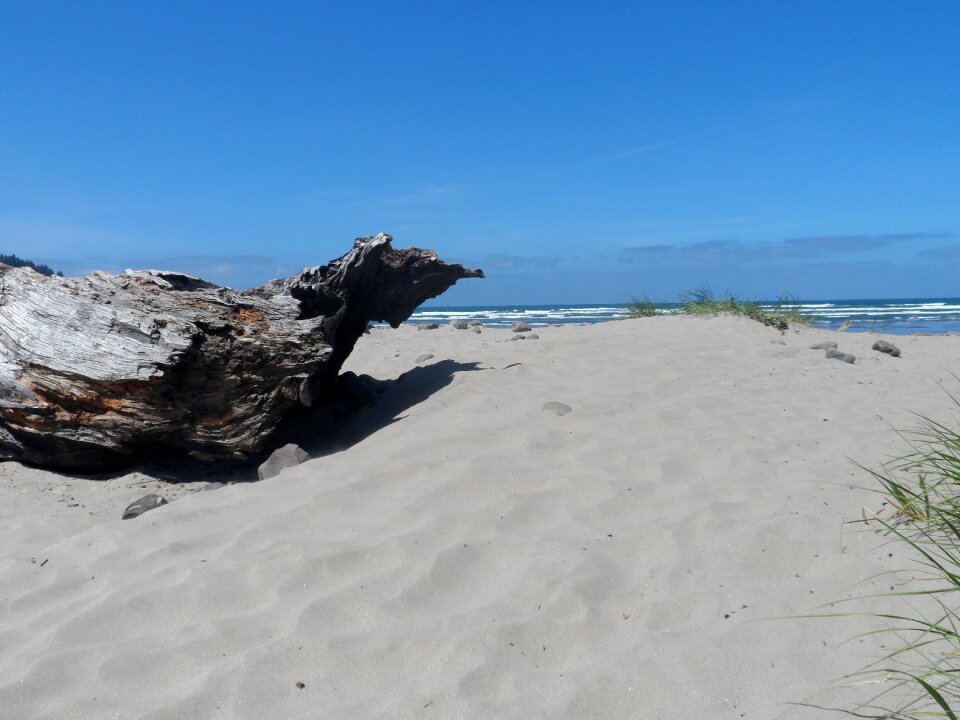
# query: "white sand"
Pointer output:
{"type": "Point", "coordinates": [469, 555]}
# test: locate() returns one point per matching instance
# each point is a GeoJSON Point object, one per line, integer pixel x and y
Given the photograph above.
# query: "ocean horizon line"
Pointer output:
{"type": "Point", "coordinates": [937, 315]}
{"type": "Point", "coordinates": [622, 303]}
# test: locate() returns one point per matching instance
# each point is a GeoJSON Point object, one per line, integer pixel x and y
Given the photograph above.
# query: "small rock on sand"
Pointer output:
{"type": "Point", "coordinates": [533, 336]}
{"type": "Point", "coordinates": [458, 324]}
{"type": "Point", "coordinates": [886, 347]}
{"type": "Point", "coordinates": [557, 408]}
{"type": "Point", "coordinates": [835, 354]}
{"type": "Point", "coordinates": [521, 326]}
{"type": "Point", "coordinates": [475, 323]}
{"type": "Point", "coordinates": [424, 357]}
{"type": "Point", "coordinates": [427, 326]}
{"type": "Point", "coordinates": [139, 507]}
{"type": "Point", "coordinates": [476, 328]}
{"type": "Point", "coordinates": [281, 459]}
{"type": "Point", "coordinates": [825, 345]}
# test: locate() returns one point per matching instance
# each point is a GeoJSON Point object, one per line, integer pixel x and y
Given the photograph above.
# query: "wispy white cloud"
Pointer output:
{"type": "Point", "coordinates": [648, 147]}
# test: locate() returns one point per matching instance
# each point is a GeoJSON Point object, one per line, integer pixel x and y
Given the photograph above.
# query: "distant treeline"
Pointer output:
{"type": "Point", "coordinates": [15, 261]}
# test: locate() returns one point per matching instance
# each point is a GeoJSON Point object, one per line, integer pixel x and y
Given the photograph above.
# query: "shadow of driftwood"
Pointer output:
{"type": "Point", "coordinates": [334, 429]}
{"type": "Point", "coordinates": [360, 407]}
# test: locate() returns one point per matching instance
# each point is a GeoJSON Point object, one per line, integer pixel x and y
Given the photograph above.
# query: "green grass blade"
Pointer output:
{"type": "Point", "coordinates": [932, 692]}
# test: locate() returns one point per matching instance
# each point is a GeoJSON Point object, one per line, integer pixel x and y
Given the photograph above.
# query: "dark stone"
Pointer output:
{"type": "Point", "coordinates": [887, 347]}
{"type": "Point", "coordinates": [281, 459]}
{"type": "Point", "coordinates": [139, 507]}
{"type": "Point", "coordinates": [427, 326]}
{"type": "Point", "coordinates": [458, 324]}
{"type": "Point", "coordinates": [825, 345]}
{"type": "Point", "coordinates": [835, 354]}
{"type": "Point", "coordinates": [520, 326]}
{"type": "Point", "coordinates": [557, 408]}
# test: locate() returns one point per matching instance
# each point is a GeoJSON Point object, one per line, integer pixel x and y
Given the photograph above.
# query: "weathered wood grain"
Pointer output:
{"type": "Point", "coordinates": [102, 370]}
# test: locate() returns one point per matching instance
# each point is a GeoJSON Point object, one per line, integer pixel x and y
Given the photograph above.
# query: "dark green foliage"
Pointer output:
{"type": "Point", "coordinates": [14, 261]}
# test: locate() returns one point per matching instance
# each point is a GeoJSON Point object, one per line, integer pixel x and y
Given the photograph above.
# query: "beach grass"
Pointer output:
{"type": "Point", "coordinates": [921, 676]}
{"type": "Point", "coordinates": [781, 314]}
{"type": "Point", "coordinates": [641, 308]}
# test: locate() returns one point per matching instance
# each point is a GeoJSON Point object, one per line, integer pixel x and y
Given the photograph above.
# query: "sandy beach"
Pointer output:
{"type": "Point", "coordinates": [603, 522]}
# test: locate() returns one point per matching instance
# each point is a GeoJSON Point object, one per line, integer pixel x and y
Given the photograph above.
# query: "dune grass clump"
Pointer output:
{"type": "Point", "coordinates": [921, 677]}
{"type": "Point", "coordinates": [641, 308]}
{"type": "Point", "coordinates": [781, 314]}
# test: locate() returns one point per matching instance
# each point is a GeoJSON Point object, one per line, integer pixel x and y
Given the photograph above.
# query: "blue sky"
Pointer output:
{"type": "Point", "coordinates": [578, 152]}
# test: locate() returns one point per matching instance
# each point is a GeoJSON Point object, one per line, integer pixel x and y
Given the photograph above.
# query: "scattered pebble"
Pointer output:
{"type": "Point", "coordinates": [427, 326]}
{"type": "Point", "coordinates": [520, 326]}
{"type": "Point", "coordinates": [139, 507]}
{"type": "Point", "coordinates": [557, 408]}
{"type": "Point", "coordinates": [458, 324]}
{"type": "Point", "coordinates": [282, 458]}
{"type": "Point", "coordinates": [886, 347]}
{"type": "Point", "coordinates": [424, 357]}
{"type": "Point", "coordinates": [825, 345]}
{"type": "Point", "coordinates": [835, 354]}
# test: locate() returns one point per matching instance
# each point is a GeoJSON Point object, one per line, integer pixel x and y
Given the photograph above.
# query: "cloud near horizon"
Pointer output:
{"type": "Point", "coordinates": [815, 247]}
{"type": "Point", "coordinates": [236, 271]}
{"type": "Point", "coordinates": [946, 253]}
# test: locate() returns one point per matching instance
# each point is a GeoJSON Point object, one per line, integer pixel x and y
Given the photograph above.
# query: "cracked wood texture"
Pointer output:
{"type": "Point", "coordinates": [101, 371]}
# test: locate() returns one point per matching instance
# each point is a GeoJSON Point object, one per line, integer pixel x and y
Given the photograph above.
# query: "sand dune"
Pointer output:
{"type": "Point", "coordinates": [458, 551]}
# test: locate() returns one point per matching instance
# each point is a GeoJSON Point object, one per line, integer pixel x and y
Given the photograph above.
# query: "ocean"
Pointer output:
{"type": "Point", "coordinates": [898, 317]}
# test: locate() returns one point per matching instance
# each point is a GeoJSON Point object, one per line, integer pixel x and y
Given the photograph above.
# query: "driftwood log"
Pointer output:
{"type": "Point", "coordinates": [100, 371]}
